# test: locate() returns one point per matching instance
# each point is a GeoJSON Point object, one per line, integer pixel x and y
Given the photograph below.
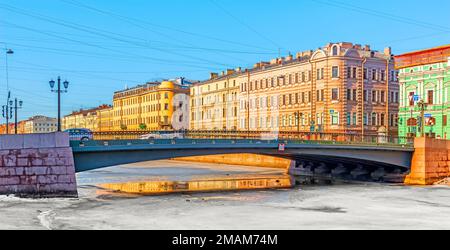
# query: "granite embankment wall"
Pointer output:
{"type": "Point", "coordinates": [242, 160]}
{"type": "Point", "coordinates": [430, 163]}
{"type": "Point", "coordinates": [37, 165]}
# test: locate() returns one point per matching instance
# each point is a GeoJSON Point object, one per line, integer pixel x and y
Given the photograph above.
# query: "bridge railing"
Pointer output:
{"type": "Point", "coordinates": [208, 137]}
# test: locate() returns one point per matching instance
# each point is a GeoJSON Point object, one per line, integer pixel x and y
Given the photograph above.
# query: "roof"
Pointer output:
{"type": "Point", "coordinates": [422, 57]}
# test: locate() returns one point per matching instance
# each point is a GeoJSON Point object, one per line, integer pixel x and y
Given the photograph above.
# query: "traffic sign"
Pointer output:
{"type": "Point", "coordinates": [416, 98]}
{"type": "Point", "coordinates": [331, 111]}
{"type": "Point", "coordinates": [281, 147]}
{"type": "Point", "coordinates": [428, 115]}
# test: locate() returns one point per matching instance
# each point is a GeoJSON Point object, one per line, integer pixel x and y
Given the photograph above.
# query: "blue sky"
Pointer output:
{"type": "Point", "coordinates": [102, 46]}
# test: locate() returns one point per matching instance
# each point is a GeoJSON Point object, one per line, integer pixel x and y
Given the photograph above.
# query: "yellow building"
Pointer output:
{"type": "Point", "coordinates": [105, 119]}
{"type": "Point", "coordinates": [339, 88]}
{"type": "Point", "coordinates": [147, 107]}
{"type": "Point", "coordinates": [214, 103]}
{"type": "Point", "coordinates": [88, 119]}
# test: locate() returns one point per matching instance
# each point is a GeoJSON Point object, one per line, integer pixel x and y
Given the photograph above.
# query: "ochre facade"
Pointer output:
{"type": "Point", "coordinates": [146, 107]}
{"type": "Point", "coordinates": [335, 89]}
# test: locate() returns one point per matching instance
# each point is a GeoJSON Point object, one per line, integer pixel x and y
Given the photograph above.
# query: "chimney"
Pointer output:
{"type": "Point", "coordinates": [213, 76]}
{"type": "Point", "coordinates": [257, 66]}
{"type": "Point", "coordinates": [367, 47]}
{"type": "Point", "coordinates": [388, 51]}
{"type": "Point", "coordinates": [274, 61]}
{"type": "Point", "coordinates": [230, 71]}
{"type": "Point", "coordinates": [238, 69]}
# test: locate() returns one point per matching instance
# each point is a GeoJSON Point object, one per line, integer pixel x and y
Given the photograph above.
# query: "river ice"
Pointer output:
{"type": "Point", "coordinates": [340, 206]}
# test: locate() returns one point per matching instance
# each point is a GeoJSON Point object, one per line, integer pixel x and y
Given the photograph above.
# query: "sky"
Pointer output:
{"type": "Point", "coordinates": [102, 46]}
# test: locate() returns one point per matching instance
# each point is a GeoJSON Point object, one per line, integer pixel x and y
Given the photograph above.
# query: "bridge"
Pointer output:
{"type": "Point", "coordinates": [334, 154]}
{"type": "Point", "coordinates": [45, 164]}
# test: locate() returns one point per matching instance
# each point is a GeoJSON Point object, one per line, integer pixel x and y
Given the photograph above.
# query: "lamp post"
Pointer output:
{"type": "Point", "coordinates": [17, 105]}
{"type": "Point", "coordinates": [59, 91]}
{"type": "Point", "coordinates": [7, 112]}
{"type": "Point", "coordinates": [8, 52]}
{"type": "Point", "coordinates": [422, 106]}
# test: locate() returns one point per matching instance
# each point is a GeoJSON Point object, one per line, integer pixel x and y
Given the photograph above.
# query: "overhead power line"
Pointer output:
{"type": "Point", "coordinates": [140, 21]}
{"type": "Point", "coordinates": [101, 33]}
{"type": "Point", "coordinates": [411, 21]}
{"type": "Point", "coordinates": [246, 25]}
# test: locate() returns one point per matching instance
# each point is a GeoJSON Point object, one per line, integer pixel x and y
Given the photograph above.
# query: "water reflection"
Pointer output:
{"type": "Point", "coordinates": [204, 185]}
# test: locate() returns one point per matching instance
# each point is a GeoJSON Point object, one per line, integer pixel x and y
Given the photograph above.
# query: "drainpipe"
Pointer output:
{"type": "Point", "coordinates": [312, 118]}
{"type": "Point", "coordinates": [387, 99]}
{"type": "Point", "coordinates": [362, 99]}
{"type": "Point", "coordinates": [248, 103]}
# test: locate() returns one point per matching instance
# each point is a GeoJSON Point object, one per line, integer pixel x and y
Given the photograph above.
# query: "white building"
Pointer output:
{"type": "Point", "coordinates": [41, 124]}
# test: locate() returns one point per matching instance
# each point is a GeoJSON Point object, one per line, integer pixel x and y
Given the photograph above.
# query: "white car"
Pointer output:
{"type": "Point", "coordinates": [162, 136]}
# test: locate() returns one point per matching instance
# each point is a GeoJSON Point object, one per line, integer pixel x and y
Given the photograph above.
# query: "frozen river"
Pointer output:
{"type": "Point", "coordinates": [340, 206]}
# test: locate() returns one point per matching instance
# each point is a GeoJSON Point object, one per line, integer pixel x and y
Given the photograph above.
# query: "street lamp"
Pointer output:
{"type": "Point", "coordinates": [59, 91]}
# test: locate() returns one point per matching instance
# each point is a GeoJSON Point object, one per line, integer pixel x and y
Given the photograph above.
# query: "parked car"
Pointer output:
{"type": "Point", "coordinates": [80, 134]}
{"type": "Point", "coordinates": [161, 135]}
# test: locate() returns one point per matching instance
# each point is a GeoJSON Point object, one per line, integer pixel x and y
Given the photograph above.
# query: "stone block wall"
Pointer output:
{"type": "Point", "coordinates": [37, 165]}
{"type": "Point", "coordinates": [430, 163]}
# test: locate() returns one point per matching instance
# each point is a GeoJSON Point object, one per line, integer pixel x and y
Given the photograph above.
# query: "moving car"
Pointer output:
{"type": "Point", "coordinates": [168, 135]}
{"type": "Point", "coordinates": [80, 134]}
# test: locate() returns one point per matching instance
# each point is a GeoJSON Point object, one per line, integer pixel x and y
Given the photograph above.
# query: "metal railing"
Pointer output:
{"type": "Point", "coordinates": [235, 137]}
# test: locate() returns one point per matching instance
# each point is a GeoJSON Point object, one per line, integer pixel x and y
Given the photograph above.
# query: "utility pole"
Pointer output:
{"type": "Point", "coordinates": [7, 112]}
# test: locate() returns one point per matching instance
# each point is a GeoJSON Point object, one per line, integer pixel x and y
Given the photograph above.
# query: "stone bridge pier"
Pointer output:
{"type": "Point", "coordinates": [37, 165]}
{"type": "Point", "coordinates": [430, 163]}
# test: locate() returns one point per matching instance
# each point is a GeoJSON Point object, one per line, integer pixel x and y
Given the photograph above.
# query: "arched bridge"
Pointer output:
{"type": "Point", "coordinates": [92, 155]}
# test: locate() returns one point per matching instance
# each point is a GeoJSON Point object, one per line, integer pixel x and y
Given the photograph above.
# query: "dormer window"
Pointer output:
{"type": "Point", "coordinates": [335, 50]}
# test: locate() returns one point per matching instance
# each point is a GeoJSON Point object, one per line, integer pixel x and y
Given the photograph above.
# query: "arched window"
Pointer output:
{"type": "Point", "coordinates": [335, 50]}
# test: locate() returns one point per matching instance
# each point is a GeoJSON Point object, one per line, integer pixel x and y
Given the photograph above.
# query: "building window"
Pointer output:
{"type": "Point", "coordinates": [430, 97]}
{"type": "Point", "coordinates": [374, 119]}
{"type": "Point", "coordinates": [444, 120]}
{"type": "Point", "coordinates": [355, 70]}
{"type": "Point", "coordinates": [335, 50]}
{"type": "Point", "coordinates": [335, 94]}
{"type": "Point", "coordinates": [335, 119]}
{"type": "Point", "coordinates": [383, 96]}
{"type": "Point", "coordinates": [335, 72]}
{"type": "Point", "coordinates": [383, 75]}
{"type": "Point", "coordinates": [349, 94]}
{"type": "Point", "coordinates": [411, 99]}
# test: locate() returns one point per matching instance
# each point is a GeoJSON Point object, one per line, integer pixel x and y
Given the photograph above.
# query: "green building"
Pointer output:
{"type": "Point", "coordinates": [424, 77]}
